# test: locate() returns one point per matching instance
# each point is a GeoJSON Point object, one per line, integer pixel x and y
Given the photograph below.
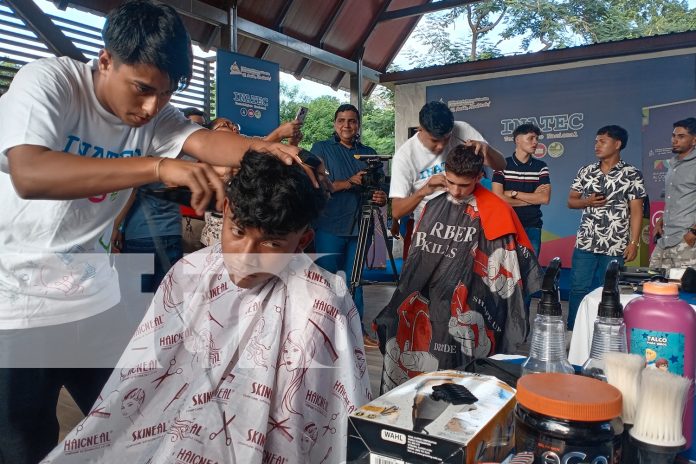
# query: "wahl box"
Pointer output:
{"type": "Point", "coordinates": [444, 416]}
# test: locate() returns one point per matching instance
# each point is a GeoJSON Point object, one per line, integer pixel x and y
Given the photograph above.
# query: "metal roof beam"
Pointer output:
{"type": "Point", "coordinates": [301, 69]}
{"type": "Point", "coordinates": [336, 82]}
{"type": "Point", "coordinates": [61, 4]}
{"type": "Point", "coordinates": [264, 34]}
{"type": "Point", "coordinates": [423, 9]}
{"type": "Point", "coordinates": [200, 10]}
{"type": "Point", "coordinates": [45, 29]}
{"type": "Point", "coordinates": [282, 15]}
{"type": "Point", "coordinates": [329, 23]}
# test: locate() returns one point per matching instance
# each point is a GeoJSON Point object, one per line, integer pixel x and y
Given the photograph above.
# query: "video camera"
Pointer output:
{"type": "Point", "coordinates": [374, 177]}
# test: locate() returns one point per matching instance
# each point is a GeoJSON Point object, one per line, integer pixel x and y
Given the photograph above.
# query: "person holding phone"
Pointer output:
{"type": "Point", "coordinates": [610, 193]}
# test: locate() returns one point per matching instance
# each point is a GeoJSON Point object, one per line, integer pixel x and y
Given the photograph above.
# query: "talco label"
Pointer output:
{"type": "Point", "coordinates": [662, 350]}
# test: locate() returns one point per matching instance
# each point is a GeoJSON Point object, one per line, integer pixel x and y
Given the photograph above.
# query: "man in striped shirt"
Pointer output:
{"type": "Point", "coordinates": [525, 182]}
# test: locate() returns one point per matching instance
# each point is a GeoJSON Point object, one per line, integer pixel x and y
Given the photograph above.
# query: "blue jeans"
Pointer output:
{"type": "Point", "coordinates": [340, 257]}
{"type": "Point", "coordinates": [534, 235]}
{"type": "Point", "coordinates": [586, 274]}
{"type": "Point", "coordinates": [167, 250]}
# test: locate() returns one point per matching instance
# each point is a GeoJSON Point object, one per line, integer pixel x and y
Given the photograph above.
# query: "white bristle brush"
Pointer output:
{"type": "Point", "coordinates": [660, 408]}
{"type": "Point", "coordinates": [623, 372]}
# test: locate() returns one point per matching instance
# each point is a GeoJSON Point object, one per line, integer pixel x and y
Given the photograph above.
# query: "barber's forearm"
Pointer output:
{"type": "Point", "coordinates": [494, 159]}
{"type": "Point", "coordinates": [222, 148]}
{"type": "Point", "coordinates": [38, 173]}
{"type": "Point", "coordinates": [404, 206]}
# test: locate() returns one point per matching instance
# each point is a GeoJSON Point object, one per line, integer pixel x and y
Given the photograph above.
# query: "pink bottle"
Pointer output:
{"type": "Point", "coordinates": [662, 328]}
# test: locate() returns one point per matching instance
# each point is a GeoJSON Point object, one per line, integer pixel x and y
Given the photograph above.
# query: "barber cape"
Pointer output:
{"type": "Point", "coordinates": [462, 290]}
{"type": "Point", "coordinates": [220, 374]}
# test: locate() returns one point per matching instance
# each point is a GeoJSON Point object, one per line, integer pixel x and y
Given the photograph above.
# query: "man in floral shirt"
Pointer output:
{"type": "Point", "coordinates": [610, 193]}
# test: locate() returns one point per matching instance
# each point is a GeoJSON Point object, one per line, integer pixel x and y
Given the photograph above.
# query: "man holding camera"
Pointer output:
{"type": "Point", "coordinates": [336, 230]}
{"type": "Point", "coordinates": [610, 193]}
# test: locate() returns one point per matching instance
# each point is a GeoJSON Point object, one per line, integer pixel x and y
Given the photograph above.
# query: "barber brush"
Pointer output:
{"type": "Point", "coordinates": [657, 429]}
{"type": "Point", "coordinates": [623, 372]}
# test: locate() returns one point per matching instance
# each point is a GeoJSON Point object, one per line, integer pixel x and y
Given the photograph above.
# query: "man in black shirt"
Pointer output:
{"type": "Point", "coordinates": [525, 182]}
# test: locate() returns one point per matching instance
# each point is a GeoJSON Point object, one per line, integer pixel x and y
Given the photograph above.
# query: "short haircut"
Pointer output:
{"type": "Point", "coordinates": [436, 118]}
{"type": "Point", "coordinates": [689, 124]}
{"type": "Point", "coordinates": [193, 111]}
{"type": "Point", "coordinates": [463, 161]}
{"type": "Point", "coordinates": [616, 133]}
{"type": "Point", "coordinates": [286, 204]}
{"type": "Point", "coordinates": [524, 129]}
{"type": "Point", "coordinates": [347, 107]}
{"type": "Point", "coordinates": [144, 32]}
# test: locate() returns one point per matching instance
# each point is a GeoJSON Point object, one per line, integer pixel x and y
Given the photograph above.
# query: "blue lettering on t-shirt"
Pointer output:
{"type": "Point", "coordinates": [82, 148]}
{"type": "Point", "coordinates": [427, 172]}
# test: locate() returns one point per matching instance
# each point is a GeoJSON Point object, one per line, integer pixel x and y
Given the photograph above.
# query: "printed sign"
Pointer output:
{"type": "Point", "coordinates": [248, 92]}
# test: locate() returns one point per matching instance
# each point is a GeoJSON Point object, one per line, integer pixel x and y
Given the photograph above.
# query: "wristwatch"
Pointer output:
{"type": "Point", "coordinates": [513, 194]}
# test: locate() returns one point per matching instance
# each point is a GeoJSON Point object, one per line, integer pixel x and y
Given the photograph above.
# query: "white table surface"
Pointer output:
{"type": "Point", "coordinates": [581, 341]}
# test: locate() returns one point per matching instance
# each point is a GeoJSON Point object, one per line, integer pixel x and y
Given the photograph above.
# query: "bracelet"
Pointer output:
{"type": "Point", "coordinates": [634, 242]}
{"type": "Point", "coordinates": [157, 169]}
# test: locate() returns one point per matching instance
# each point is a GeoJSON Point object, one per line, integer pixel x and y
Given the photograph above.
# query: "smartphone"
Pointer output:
{"type": "Point", "coordinates": [301, 114]}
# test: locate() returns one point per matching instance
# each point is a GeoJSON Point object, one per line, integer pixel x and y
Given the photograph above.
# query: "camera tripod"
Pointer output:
{"type": "Point", "coordinates": [368, 210]}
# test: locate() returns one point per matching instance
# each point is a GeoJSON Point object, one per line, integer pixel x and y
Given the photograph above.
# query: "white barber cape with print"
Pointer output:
{"type": "Point", "coordinates": [220, 374]}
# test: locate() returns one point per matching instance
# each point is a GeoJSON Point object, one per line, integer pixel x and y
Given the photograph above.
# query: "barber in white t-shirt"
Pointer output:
{"type": "Point", "coordinates": [75, 138]}
{"type": "Point", "coordinates": [418, 166]}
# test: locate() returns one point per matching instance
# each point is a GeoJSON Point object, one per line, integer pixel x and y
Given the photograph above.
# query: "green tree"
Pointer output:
{"type": "Point", "coordinates": [8, 69]}
{"type": "Point", "coordinates": [377, 120]}
{"type": "Point", "coordinates": [554, 23]}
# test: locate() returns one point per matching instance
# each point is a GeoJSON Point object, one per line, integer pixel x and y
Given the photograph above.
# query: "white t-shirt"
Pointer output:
{"type": "Point", "coordinates": [413, 164]}
{"type": "Point", "coordinates": [54, 265]}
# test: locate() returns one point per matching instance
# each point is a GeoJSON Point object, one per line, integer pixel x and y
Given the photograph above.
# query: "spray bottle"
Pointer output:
{"type": "Point", "coordinates": [609, 329]}
{"type": "Point", "coordinates": [547, 352]}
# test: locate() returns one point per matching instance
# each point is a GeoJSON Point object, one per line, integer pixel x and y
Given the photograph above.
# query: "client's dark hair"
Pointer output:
{"type": "Point", "coordinates": [463, 161]}
{"type": "Point", "coordinates": [144, 32]}
{"type": "Point", "coordinates": [270, 195]}
{"type": "Point", "coordinates": [193, 111]}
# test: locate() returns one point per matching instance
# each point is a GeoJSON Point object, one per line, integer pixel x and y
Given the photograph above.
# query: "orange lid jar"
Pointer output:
{"type": "Point", "coordinates": [563, 416]}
